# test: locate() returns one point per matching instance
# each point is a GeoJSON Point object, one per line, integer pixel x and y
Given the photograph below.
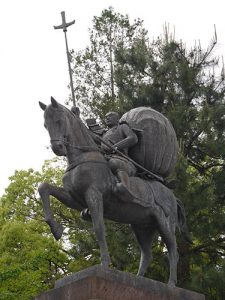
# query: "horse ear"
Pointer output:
{"type": "Point", "coordinates": [54, 102]}
{"type": "Point", "coordinates": [42, 105]}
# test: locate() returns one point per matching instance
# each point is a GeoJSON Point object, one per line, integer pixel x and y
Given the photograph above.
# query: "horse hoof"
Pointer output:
{"type": "Point", "coordinates": [106, 264]}
{"type": "Point", "coordinates": [171, 284]}
{"type": "Point", "coordinates": [57, 230]}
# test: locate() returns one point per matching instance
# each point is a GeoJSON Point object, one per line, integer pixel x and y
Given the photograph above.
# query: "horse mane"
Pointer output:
{"type": "Point", "coordinates": [87, 136]}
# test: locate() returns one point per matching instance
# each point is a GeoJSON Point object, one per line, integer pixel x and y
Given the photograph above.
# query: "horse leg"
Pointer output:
{"type": "Point", "coordinates": [45, 190]}
{"type": "Point", "coordinates": [144, 236]}
{"type": "Point", "coordinates": [95, 204]}
{"type": "Point", "coordinates": [169, 238]}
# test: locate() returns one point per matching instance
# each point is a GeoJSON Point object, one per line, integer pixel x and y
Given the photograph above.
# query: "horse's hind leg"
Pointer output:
{"type": "Point", "coordinates": [45, 190]}
{"type": "Point", "coordinates": [144, 236]}
{"type": "Point", "coordinates": [95, 204]}
{"type": "Point", "coordinates": [167, 232]}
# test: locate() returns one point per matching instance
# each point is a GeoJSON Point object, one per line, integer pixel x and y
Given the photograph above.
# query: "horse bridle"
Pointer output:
{"type": "Point", "coordinates": [79, 161]}
{"type": "Point", "coordinates": [82, 148]}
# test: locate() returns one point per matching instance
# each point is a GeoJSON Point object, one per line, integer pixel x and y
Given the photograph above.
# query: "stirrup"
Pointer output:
{"type": "Point", "coordinates": [85, 214]}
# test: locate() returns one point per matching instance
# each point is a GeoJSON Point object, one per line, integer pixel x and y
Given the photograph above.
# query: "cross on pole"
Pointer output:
{"type": "Point", "coordinates": [64, 26]}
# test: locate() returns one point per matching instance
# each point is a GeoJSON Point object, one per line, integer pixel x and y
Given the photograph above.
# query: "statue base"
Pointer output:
{"type": "Point", "coordinates": [97, 283]}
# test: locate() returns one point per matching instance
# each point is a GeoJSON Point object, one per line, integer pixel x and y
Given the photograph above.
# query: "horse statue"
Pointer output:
{"type": "Point", "coordinates": [88, 183]}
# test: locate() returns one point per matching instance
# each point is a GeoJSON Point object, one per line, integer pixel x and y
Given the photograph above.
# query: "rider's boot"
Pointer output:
{"type": "Point", "coordinates": [122, 188]}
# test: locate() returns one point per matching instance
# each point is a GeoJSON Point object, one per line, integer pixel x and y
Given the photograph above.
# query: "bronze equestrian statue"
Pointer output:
{"type": "Point", "coordinates": [89, 182]}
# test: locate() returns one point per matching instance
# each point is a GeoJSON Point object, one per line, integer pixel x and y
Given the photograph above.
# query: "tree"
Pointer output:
{"type": "Point", "coordinates": [30, 260]}
{"type": "Point", "coordinates": [185, 86]}
{"type": "Point", "coordinates": [94, 67]}
{"type": "Point", "coordinates": [188, 87]}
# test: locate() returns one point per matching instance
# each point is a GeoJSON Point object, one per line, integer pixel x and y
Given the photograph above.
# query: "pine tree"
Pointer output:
{"type": "Point", "coordinates": [186, 85]}
{"type": "Point", "coordinates": [94, 67]}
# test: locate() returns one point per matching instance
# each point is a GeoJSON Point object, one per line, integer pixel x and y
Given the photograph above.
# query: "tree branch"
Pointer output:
{"type": "Point", "coordinates": [201, 247]}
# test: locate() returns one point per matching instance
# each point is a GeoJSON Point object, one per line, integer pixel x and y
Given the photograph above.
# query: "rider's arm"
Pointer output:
{"type": "Point", "coordinates": [130, 138]}
{"type": "Point", "coordinates": [95, 137]}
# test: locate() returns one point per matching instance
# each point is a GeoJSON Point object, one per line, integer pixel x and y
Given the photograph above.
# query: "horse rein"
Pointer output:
{"type": "Point", "coordinates": [79, 161]}
{"type": "Point", "coordinates": [82, 148]}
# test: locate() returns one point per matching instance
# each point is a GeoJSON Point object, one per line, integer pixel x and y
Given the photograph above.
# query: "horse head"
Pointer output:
{"type": "Point", "coordinates": [55, 123]}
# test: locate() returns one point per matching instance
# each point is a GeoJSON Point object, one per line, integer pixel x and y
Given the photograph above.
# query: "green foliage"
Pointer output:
{"type": "Point", "coordinates": [30, 260]}
{"type": "Point", "coordinates": [94, 67]}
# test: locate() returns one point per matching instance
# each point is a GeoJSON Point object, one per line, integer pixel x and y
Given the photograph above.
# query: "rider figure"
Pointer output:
{"type": "Point", "coordinates": [120, 137]}
{"type": "Point", "coordinates": [76, 111]}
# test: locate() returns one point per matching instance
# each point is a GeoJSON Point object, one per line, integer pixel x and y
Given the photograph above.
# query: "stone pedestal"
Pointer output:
{"type": "Point", "coordinates": [96, 283]}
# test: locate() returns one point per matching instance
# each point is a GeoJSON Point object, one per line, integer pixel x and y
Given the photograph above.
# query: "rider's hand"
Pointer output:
{"type": "Point", "coordinates": [114, 149]}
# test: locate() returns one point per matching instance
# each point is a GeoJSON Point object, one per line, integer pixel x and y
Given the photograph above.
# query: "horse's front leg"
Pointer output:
{"type": "Point", "coordinates": [45, 190]}
{"type": "Point", "coordinates": [94, 202]}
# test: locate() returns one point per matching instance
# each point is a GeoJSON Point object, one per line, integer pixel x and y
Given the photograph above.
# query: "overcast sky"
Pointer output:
{"type": "Point", "coordinates": [33, 63]}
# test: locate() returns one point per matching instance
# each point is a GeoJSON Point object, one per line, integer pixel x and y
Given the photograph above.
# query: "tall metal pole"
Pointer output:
{"type": "Point", "coordinates": [64, 26]}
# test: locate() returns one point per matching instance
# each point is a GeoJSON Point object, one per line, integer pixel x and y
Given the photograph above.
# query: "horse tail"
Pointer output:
{"type": "Point", "coordinates": [182, 223]}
